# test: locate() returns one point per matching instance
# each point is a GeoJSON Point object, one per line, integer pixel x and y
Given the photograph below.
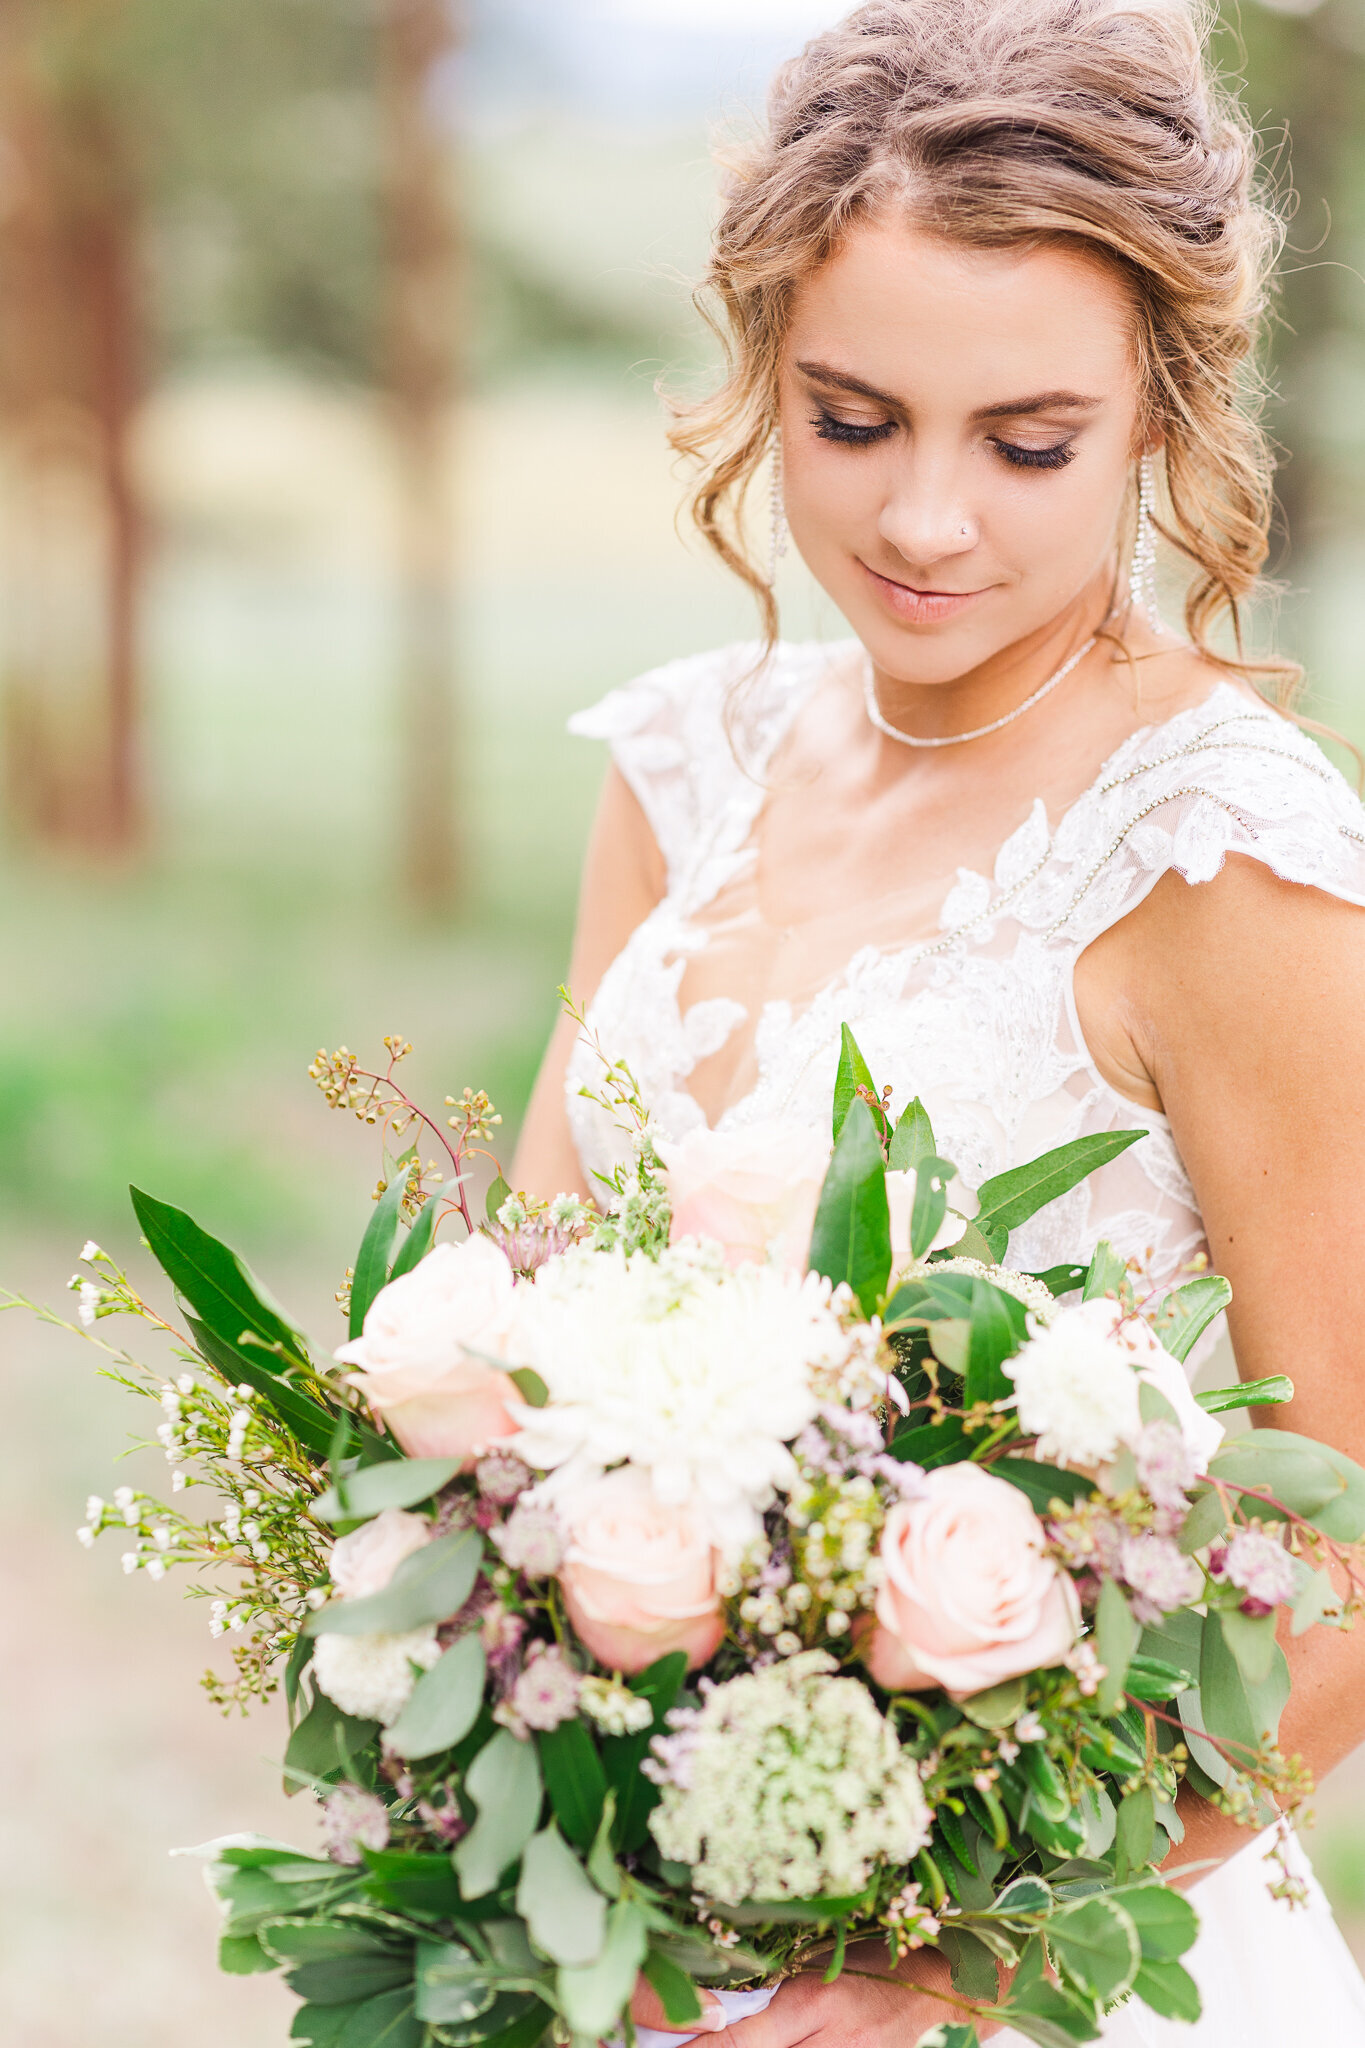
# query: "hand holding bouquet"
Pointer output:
{"type": "Point", "coordinates": [692, 1584]}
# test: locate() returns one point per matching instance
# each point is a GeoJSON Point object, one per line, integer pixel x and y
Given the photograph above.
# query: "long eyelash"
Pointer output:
{"type": "Point", "coordinates": [1056, 457]}
{"type": "Point", "coordinates": [831, 429]}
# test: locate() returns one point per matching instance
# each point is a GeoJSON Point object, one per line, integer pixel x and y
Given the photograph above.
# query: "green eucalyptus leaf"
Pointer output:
{"type": "Point", "coordinates": [1042, 1483]}
{"type": "Point", "coordinates": [444, 1704]}
{"type": "Point", "coordinates": [1205, 1522]}
{"type": "Point", "coordinates": [564, 1912]}
{"type": "Point", "coordinates": [930, 1204]}
{"type": "Point", "coordinates": [417, 1243]}
{"type": "Point", "coordinates": [1317, 1600]}
{"type": "Point", "coordinates": [1297, 1469]}
{"type": "Point", "coordinates": [429, 1586]}
{"type": "Point", "coordinates": [853, 1073]}
{"type": "Point", "coordinates": [504, 1783]}
{"type": "Point", "coordinates": [220, 1287]}
{"type": "Point", "coordinates": [1186, 1313]}
{"type": "Point", "coordinates": [951, 1343]}
{"type": "Point", "coordinates": [972, 1964]}
{"type": "Point", "coordinates": [912, 1140]}
{"type": "Point", "coordinates": [574, 1779]}
{"type": "Point", "coordinates": [593, 1996]}
{"type": "Point", "coordinates": [1267, 1393]}
{"type": "Point", "coordinates": [324, 1741]}
{"type": "Point", "coordinates": [998, 1328]}
{"type": "Point", "coordinates": [1240, 1711]}
{"type": "Point", "coordinates": [376, 1251]}
{"type": "Point", "coordinates": [1116, 1639]}
{"type": "Point", "coordinates": [677, 1992]}
{"type": "Point", "coordinates": [1105, 1273]}
{"type": "Point", "coordinates": [1062, 1280]}
{"type": "Point", "coordinates": [529, 1385]}
{"type": "Point", "coordinates": [622, 1755]}
{"type": "Point", "coordinates": [1251, 1639]}
{"type": "Point", "coordinates": [1009, 1199]}
{"type": "Point", "coordinates": [250, 1366]}
{"type": "Point", "coordinates": [1135, 1832]}
{"type": "Point", "coordinates": [498, 1191]}
{"type": "Point", "coordinates": [397, 1483]}
{"type": "Point", "coordinates": [998, 1707]}
{"type": "Point", "coordinates": [851, 1240]}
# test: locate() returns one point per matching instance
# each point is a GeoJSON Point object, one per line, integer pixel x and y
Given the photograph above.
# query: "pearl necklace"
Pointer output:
{"type": "Point", "coordinates": [956, 739]}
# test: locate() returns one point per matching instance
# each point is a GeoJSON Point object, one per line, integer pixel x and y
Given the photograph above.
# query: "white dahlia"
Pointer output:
{"type": "Point", "coordinates": [699, 1374]}
{"type": "Point", "coordinates": [1078, 1385]}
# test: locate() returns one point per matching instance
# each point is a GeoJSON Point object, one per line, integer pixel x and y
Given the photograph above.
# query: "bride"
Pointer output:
{"type": "Point", "coordinates": [989, 287]}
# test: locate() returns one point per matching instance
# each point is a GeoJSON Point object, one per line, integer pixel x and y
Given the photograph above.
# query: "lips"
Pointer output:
{"type": "Point", "coordinates": [919, 607]}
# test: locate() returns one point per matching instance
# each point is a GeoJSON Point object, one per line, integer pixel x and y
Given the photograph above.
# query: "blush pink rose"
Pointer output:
{"type": "Point", "coordinates": [639, 1575]}
{"type": "Point", "coordinates": [419, 1354]}
{"type": "Point", "coordinates": [367, 1559]}
{"type": "Point", "coordinates": [969, 1597]}
{"type": "Point", "coordinates": [754, 1190]}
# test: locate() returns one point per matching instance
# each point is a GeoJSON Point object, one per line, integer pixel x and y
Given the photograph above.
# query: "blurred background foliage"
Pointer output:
{"type": "Point", "coordinates": [331, 479]}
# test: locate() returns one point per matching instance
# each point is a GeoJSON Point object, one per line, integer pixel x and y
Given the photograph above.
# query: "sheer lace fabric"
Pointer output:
{"type": "Point", "coordinates": [959, 991]}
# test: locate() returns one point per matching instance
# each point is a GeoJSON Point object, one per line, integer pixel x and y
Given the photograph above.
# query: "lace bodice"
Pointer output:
{"type": "Point", "coordinates": [974, 1013]}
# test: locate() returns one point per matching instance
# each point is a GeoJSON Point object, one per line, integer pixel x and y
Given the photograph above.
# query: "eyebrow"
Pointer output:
{"type": "Point", "coordinates": [1010, 408]}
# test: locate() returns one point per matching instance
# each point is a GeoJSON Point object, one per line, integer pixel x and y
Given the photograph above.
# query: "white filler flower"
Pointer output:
{"type": "Point", "coordinates": [1078, 1385]}
{"type": "Point", "coordinates": [787, 1784]}
{"type": "Point", "coordinates": [699, 1374]}
{"type": "Point", "coordinates": [371, 1677]}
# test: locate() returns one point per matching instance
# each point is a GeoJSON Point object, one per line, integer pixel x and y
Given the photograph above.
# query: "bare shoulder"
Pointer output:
{"type": "Point", "coordinates": [1165, 677]}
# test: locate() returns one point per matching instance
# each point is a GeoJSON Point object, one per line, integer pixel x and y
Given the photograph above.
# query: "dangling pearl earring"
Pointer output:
{"type": "Point", "coordinates": [1142, 573]}
{"type": "Point", "coordinates": [777, 544]}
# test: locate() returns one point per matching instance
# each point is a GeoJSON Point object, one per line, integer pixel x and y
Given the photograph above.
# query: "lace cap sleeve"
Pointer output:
{"type": "Point", "coordinates": [1228, 777]}
{"type": "Point", "coordinates": [670, 736]}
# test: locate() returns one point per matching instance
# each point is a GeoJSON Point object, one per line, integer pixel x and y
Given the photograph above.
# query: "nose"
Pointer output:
{"type": "Point", "coordinates": [925, 519]}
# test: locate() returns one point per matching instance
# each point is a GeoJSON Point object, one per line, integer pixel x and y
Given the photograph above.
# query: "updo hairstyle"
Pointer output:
{"type": "Point", "coordinates": [1001, 123]}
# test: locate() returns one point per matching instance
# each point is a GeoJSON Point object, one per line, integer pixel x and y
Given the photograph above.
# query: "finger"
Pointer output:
{"type": "Point", "coordinates": [786, 2023]}
{"type": "Point", "coordinates": [647, 2010]}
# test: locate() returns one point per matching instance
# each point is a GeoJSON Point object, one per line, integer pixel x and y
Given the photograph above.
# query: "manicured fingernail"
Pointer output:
{"type": "Point", "coordinates": [713, 2017]}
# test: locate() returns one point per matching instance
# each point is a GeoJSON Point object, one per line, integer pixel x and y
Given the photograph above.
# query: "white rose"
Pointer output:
{"type": "Point", "coordinates": [367, 1559]}
{"type": "Point", "coordinates": [753, 1190]}
{"type": "Point", "coordinates": [421, 1369]}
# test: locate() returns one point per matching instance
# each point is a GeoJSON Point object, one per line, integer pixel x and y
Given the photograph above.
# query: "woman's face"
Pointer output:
{"type": "Point", "coordinates": [958, 434]}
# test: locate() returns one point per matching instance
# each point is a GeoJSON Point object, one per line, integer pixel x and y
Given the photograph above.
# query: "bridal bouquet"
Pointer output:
{"type": "Point", "coordinates": [720, 1579]}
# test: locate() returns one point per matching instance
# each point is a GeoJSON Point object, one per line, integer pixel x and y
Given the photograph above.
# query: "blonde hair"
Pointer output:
{"type": "Point", "coordinates": [1005, 122]}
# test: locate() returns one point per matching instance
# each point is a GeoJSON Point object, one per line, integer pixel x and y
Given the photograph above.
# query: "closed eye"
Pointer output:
{"type": "Point", "coordinates": [831, 428]}
{"type": "Point", "coordinates": [1055, 457]}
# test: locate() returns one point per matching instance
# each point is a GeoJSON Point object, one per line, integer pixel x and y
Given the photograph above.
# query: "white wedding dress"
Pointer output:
{"type": "Point", "coordinates": [967, 1002]}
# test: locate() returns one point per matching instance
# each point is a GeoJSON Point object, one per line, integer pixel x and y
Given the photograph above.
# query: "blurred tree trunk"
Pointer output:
{"type": "Point", "coordinates": [70, 376]}
{"type": "Point", "coordinates": [421, 354]}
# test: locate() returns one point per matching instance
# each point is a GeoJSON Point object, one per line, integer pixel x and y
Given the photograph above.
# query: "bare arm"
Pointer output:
{"type": "Point", "coordinates": [1243, 1003]}
{"type": "Point", "coordinates": [623, 879]}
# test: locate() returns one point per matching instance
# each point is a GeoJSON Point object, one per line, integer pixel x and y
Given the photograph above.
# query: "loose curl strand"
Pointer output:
{"type": "Point", "coordinates": [1005, 123]}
